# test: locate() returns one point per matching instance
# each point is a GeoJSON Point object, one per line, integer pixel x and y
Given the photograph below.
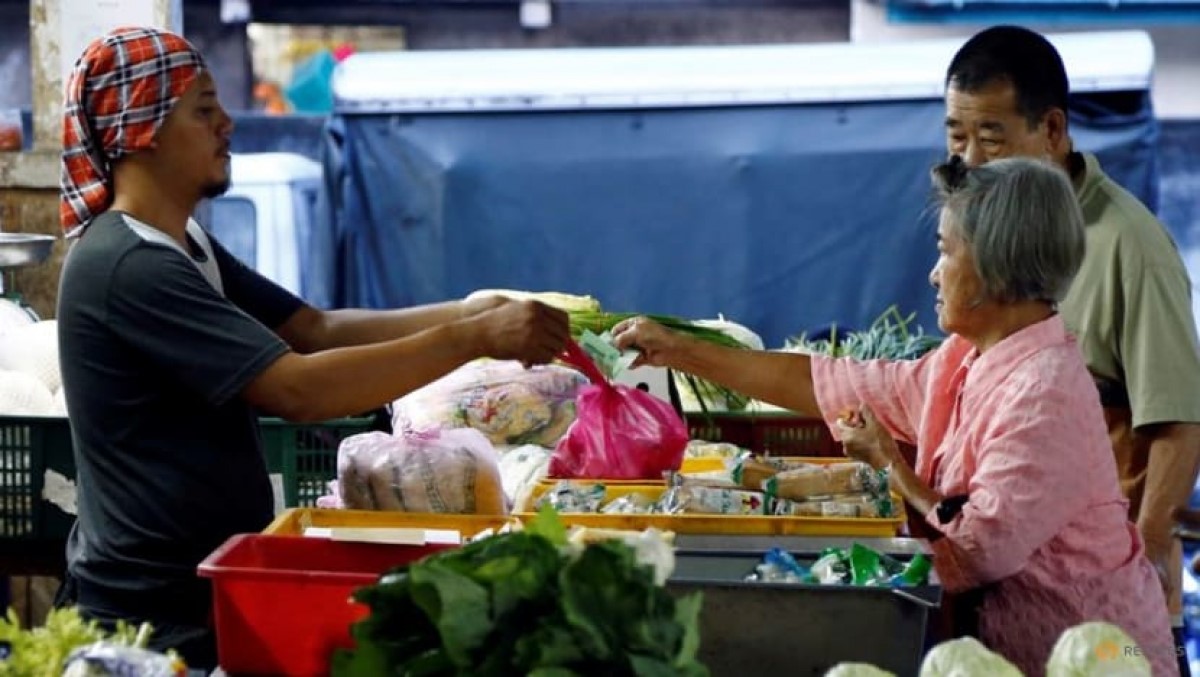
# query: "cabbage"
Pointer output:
{"type": "Point", "coordinates": [1096, 649]}
{"type": "Point", "coordinates": [22, 394]}
{"type": "Point", "coordinates": [966, 657]}
{"type": "Point", "coordinates": [857, 670]}
{"type": "Point", "coordinates": [33, 349]}
{"type": "Point", "coordinates": [13, 316]}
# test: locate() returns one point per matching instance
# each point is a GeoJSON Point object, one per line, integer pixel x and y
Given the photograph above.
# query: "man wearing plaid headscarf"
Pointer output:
{"type": "Point", "coordinates": [170, 346]}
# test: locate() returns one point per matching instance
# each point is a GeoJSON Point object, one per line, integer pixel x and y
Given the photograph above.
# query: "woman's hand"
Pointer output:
{"type": "Point", "coordinates": [865, 439]}
{"type": "Point", "coordinates": [656, 343]}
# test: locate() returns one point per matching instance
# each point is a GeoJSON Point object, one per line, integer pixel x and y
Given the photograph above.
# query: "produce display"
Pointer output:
{"type": "Point", "coordinates": [68, 645]}
{"type": "Point", "coordinates": [527, 602]}
{"type": "Point", "coordinates": [30, 383]}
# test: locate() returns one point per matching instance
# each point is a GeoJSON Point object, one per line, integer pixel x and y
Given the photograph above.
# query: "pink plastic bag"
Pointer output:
{"type": "Point", "coordinates": [619, 432]}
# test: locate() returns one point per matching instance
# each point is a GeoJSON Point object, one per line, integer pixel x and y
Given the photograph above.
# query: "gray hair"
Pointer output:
{"type": "Point", "coordinates": [1022, 223]}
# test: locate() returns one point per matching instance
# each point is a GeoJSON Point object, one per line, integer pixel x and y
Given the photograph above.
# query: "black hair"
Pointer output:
{"type": "Point", "coordinates": [1018, 56]}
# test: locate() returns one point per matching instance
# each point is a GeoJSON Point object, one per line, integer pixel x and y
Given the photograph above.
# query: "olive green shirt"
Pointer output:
{"type": "Point", "coordinates": [1130, 305]}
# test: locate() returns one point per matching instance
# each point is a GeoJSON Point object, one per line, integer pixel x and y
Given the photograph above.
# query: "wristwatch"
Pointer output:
{"type": "Point", "coordinates": [948, 508]}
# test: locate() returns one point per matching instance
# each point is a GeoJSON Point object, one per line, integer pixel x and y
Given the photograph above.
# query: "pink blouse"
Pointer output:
{"type": "Point", "coordinates": [1020, 430]}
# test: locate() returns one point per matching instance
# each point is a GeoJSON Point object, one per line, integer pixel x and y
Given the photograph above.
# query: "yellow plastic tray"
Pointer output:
{"type": "Point", "coordinates": [710, 463]}
{"type": "Point", "coordinates": [750, 525]}
{"type": "Point", "coordinates": [294, 521]}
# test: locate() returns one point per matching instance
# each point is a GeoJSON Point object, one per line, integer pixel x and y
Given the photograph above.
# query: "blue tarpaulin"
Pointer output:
{"type": "Point", "coordinates": [785, 217]}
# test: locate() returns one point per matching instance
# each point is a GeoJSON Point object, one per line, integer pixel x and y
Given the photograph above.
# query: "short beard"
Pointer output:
{"type": "Point", "coordinates": [213, 190]}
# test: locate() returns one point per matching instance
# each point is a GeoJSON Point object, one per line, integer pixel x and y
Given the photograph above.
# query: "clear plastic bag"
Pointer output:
{"type": "Point", "coordinates": [619, 432]}
{"type": "Point", "coordinates": [509, 404]}
{"type": "Point", "coordinates": [439, 471]}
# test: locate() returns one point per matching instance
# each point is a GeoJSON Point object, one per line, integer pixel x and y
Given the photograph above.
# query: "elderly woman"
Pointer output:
{"type": "Point", "coordinates": [1014, 471]}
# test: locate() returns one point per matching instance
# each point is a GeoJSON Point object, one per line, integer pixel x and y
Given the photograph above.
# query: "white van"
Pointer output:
{"type": "Point", "coordinates": [266, 217]}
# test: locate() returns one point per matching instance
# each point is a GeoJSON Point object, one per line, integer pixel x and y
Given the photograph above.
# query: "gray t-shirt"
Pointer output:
{"type": "Point", "coordinates": [155, 345]}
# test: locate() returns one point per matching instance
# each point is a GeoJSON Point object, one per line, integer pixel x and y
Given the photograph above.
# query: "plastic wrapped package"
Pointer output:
{"type": "Point", "coordinates": [521, 468]}
{"type": "Point", "coordinates": [438, 471]}
{"type": "Point", "coordinates": [509, 404]}
{"type": "Point", "coordinates": [752, 472]}
{"type": "Point", "coordinates": [838, 478]}
{"type": "Point", "coordinates": [107, 659]}
{"type": "Point", "coordinates": [573, 497]}
{"type": "Point", "coordinates": [706, 449]}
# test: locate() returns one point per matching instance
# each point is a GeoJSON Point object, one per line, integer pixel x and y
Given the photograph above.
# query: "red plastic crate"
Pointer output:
{"type": "Point", "coordinates": [282, 604]}
{"type": "Point", "coordinates": [773, 434]}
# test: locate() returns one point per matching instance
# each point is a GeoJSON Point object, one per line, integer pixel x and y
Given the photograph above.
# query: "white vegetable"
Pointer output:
{"type": "Point", "coordinates": [733, 329]}
{"type": "Point", "coordinates": [22, 394]}
{"type": "Point", "coordinates": [966, 657]}
{"type": "Point", "coordinates": [13, 316]}
{"type": "Point", "coordinates": [562, 301]}
{"type": "Point", "coordinates": [1096, 650]}
{"type": "Point", "coordinates": [857, 670]}
{"type": "Point", "coordinates": [33, 349]}
{"type": "Point", "coordinates": [60, 403]}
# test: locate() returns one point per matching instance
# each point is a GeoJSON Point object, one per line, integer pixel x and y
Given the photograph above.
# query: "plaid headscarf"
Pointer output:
{"type": "Point", "coordinates": [120, 91]}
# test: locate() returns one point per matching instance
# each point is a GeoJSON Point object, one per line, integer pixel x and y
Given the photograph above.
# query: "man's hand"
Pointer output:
{"type": "Point", "coordinates": [531, 332]}
{"type": "Point", "coordinates": [865, 439]}
{"type": "Point", "coordinates": [1160, 550]}
{"type": "Point", "coordinates": [472, 306]}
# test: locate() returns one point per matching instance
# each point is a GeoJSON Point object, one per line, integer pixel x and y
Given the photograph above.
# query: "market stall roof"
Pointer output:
{"type": "Point", "coordinates": [667, 77]}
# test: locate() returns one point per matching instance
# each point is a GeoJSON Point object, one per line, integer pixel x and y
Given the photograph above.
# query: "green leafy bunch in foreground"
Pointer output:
{"type": "Point", "coordinates": [43, 650]}
{"type": "Point", "coordinates": [523, 603]}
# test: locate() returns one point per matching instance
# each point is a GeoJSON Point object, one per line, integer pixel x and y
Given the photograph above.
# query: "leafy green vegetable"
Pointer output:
{"type": "Point", "coordinates": [523, 603]}
{"type": "Point", "coordinates": [43, 650]}
{"type": "Point", "coordinates": [888, 337]}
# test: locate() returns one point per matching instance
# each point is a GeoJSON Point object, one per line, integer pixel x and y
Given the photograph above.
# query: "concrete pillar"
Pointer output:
{"type": "Point", "coordinates": [29, 187]}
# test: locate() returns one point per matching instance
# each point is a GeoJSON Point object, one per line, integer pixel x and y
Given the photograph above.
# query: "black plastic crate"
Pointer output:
{"type": "Point", "coordinates": [30, 446]}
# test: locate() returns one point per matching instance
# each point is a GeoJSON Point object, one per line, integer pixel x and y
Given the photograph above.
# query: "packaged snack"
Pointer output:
{"type": "Point", "coordinates": [714, 478]}
{"type": "Point", "coordinates": [706, 449]}
{"type": "Point", "coordinates": [838, 478]}
{"type": "Point", "coordinates": [715, 501]}
{"type": "Point", "coordinates": [629, 504]}
{"type": "Point", "coordinates": [569, 496]}
{"type": "Point", "coordinates": [778, 566]}
{"type": "Point", "coordinates": [832, 567]}
{"type": "Point", "coordinates": [751, 472]}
